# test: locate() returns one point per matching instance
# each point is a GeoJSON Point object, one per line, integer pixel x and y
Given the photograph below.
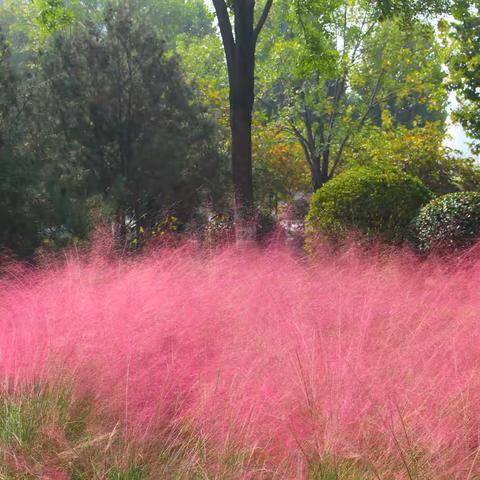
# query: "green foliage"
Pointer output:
{"type": "Point", "coordinates": [447, 223]}
{"type": "Point", "coordinates": [419, 151]}
{"type": "Point", "coordinates": [411, 9]}
{"type": "Point", "coordinates": [317, 21]}
{"type": "Point", "coordinates": [190, 20]}
{"type": "Point", "coordinates": [464, 64]}
{"type": "Point", "coordinates": [409, 63]}
{"type": "Point", "coordinates": [377, 203]}
{"type": "Point", "coordinates": [97, 122]}
{"type": "Point", "coordinates": [20, 200]}
{"type": "Point", "coordinates": [8, 90]}
{"type": "Point", "coordinates": [117, 111]}
{"type": "Point", "coordinates": [203, 63]}
{"type": "Point", "coordinates": [52, 15]}
{"type": "Point", "coordinates": [334, 68]}
{"type": "Point", "coordinates": [278, 166]}
{"type": "Point", "coordinates": [128, 117]}
{"type": "Point", "coordinates": [131, 473]}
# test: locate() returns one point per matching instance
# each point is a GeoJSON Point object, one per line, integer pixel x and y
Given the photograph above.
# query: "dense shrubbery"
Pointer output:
{"type": "Point", "coordinates": [377, 203]}
{"type": "Point", "coordinates": [447, 223]}
{"type": "Point", "coordinates": [102, 120]}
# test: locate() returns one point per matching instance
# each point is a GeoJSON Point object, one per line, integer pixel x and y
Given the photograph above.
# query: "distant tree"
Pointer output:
{"type": "Point", "coordinates": [465, 64]}
{"type": "Point", "coordinates": [178, 19]}
{"type": "Point", "coordinates": [170, 19]}
{"type": "Point", "coordinates": [7, 87]}
{"type": "Point", "coordinates": [89, 86]}
{"type": "Point", "coordinates": [52, 15]}
{"type": "Point", "coordinates": [410, 10]}
{"type": "Point", "coordinates": [335, 66]}
{"type": "Point", "coordinates": [419, 151]}
{"type": "Point", "coordinates": [127, 118]}
{"type": "Point", "coordinates": [19, 198]}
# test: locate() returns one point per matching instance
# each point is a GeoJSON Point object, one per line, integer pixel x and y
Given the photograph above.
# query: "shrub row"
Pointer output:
{"type": "Point", "coordinates": [391, 206]}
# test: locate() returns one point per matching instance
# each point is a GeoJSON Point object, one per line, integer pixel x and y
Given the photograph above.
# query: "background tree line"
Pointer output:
{"type": "Point", "coordinates": [117, 112]}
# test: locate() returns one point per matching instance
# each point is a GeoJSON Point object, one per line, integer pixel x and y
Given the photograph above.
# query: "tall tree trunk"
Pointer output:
{"type": "Point", "coordinates": [241, 107]}
{"type": "Point", "coordinates": [240, 56]}
{"type": "Point", "coordinates": [241, 128]}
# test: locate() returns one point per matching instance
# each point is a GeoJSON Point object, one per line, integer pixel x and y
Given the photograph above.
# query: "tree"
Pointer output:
{"type": "Point", "coordinates": [7, 87]}
{"type": "Point", "coordinates": [12, 177]}
{"type": "Point", "coordinates": [419, 151]}
{"type": "Point", "coordinates": [177, 19]}
{"type": "Point", "coordinates": [410, 9]}
{"type": "Point", "coordinates": [52, 15]}
{"type": "Point", "coordinates": [34, 21]}
{"type": "Point", "coordinates": [170, 19]}
{"type": "Point", "coordinates": [127, 118]}
{"type": "Point", "coordinates": [279, 171]}
{"type": "Point", "coordinates": [24, 200]}
{"type": "Point", "coordinates": [335, 66]}
{"type": "Point", "coordinates": [465, 64]}
{"type": "Point", "coordinates": [239, 44]}
{"type": "Point", "coordinates": [97, 122]}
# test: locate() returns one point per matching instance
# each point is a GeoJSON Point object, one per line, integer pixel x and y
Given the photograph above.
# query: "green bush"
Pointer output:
{"type": "Point", "coordinates": [376, 203]}
{"type": "Point", "coordinates": [447, 223]}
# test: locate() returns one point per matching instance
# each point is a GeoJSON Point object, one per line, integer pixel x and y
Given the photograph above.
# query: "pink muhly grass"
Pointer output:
{"type": "Point", "coordinates": [375, 359]}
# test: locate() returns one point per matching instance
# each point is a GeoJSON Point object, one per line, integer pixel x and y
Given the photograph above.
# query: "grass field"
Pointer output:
{"type": "Point", "coordinates": [241, 365]}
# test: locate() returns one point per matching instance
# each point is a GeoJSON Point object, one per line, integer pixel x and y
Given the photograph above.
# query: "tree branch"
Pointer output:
{"type": "Point", "coordinates": [370, 105]}
{"type": "Point", "coordinates": [303, 141]}
{"type": "Point", "coordinates": [262, 19]}
{"type": "Point", "coordinates": [227, 33]}
{"type": "Point", "coordinates": [308, 122]}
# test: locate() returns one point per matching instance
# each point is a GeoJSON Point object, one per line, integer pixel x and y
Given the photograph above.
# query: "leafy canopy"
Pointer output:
{"type": "Point", "coordinates": [464, 64]}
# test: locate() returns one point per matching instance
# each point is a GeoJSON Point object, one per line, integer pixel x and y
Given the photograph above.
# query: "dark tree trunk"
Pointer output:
{"type": "Point", "coordinates": [319, 171]}
{"type": "Point", "coordinates": [240, 56]}
{"type": "Point", "coordinates": [241, 127]}
{"type": "Point", "coordinates": [316, 176]}
{"type": "Point", "coordinates": [241, 106]}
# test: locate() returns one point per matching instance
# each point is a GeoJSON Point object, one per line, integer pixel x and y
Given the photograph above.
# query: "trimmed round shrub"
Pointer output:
{"type": "Point", "coordinates": [376, 203]}
{"type": "Point", "coordinates": [447, 223]}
